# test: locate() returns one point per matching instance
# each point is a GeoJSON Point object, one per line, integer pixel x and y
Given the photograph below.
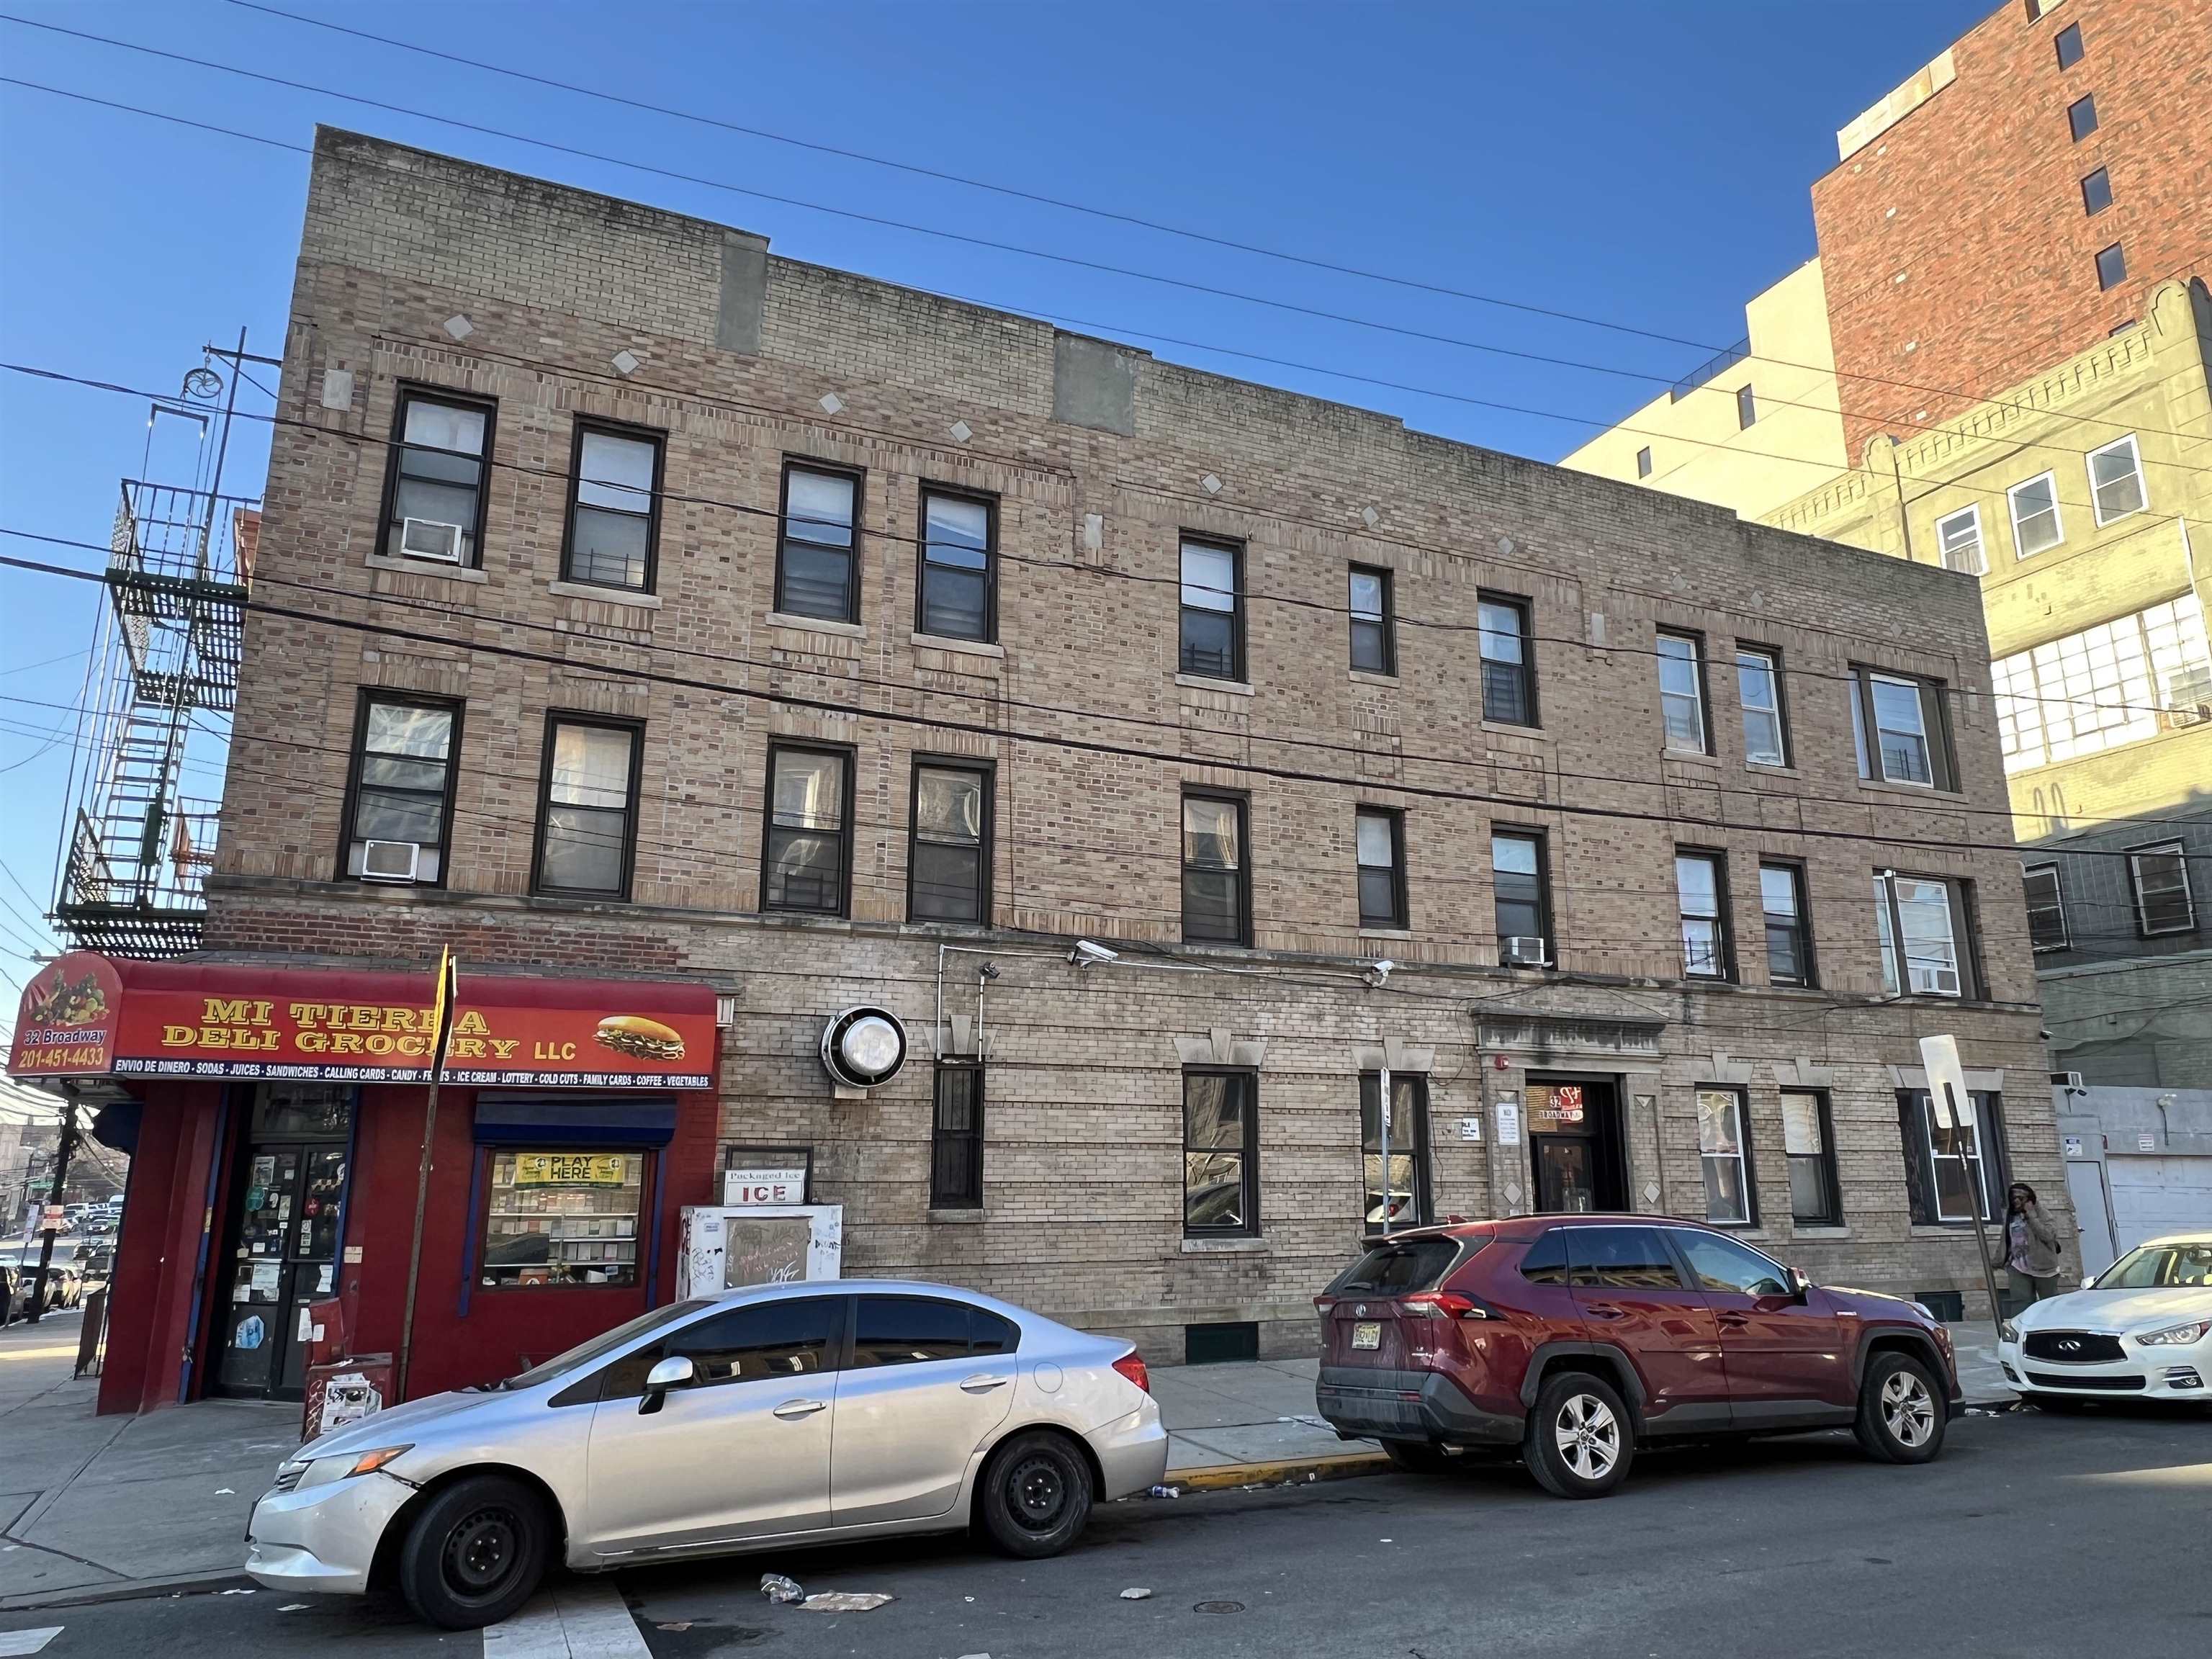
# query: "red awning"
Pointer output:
{"type": "Point", "coordinates": [86, 1015]}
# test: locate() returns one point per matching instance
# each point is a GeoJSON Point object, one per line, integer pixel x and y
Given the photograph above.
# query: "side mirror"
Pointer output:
{"type": "Point", "coordinates": [676, 1371]}
{"type": "Point", "coordinates": [2088, 1281]}
{"type": "Point", "coordinates": [1799, 1285]}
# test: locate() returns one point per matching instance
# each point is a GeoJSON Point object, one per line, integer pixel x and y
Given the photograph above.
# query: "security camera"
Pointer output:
{"type": "Point", "coordinates": [1382, 970]}
{"type": "Point", "coordinates": [990, 970]}
{"type": "Point", "coordinates": [1087, 952]}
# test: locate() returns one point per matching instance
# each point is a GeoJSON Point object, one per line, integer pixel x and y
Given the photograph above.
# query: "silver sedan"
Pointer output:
{"type": "Point", "coordinates": [762, 1418]}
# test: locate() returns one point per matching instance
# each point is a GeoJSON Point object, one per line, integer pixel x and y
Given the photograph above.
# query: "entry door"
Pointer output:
{"type": "Point", "coordinates": [742, 1452]}
{"type": "Point", "coordinates": [928, 1383]}
{"type": "Point", "coordinates": [1784, 1357]}
{"type": "Point", "coordinates": [1566, 1183]}
{"type": "Point", "coordinates": [251, 1325]}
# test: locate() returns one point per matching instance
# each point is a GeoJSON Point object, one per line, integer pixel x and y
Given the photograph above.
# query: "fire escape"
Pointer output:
{"type": "Point", "coordinates": [137, 844]}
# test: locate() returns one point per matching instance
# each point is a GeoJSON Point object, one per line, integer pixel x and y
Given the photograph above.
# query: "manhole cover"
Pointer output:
{"type": "Point", "coordinates": [1218, 1606]}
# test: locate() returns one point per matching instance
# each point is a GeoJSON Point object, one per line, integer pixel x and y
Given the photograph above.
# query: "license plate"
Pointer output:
{"type": "Point", "coordinates": [1367, 1335]}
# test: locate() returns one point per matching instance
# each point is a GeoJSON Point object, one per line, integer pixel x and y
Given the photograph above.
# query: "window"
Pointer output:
{"type": "Point", "coordinates": [1516, 875]}
{"type": "Point", "coordinates": [1381, 835]}
{"type": "Point", "coordinates": [586, 807]}
{"type": "Point", "coordinates": [1402, 1266]}
{"type": "Point", "coordinates": [433, 494]}
{"type": "Point", "coordinates": [1810, 1147]}
{"type": "Point", "coordinates": [1216, 883]}
{"type": "Point", "coordinates": [949, 856]}
{"type": "Point", "coordinates": [808, 848]}
{"type": "Point", "coordinates": [1644, 462]}
{"type": "Point", "coordinates": [2047, 908]}
{"type": "Point", "coordinates": [757, 1342]}
{"type": "Point", "coordinates": [816, 568]}
{"type": "Point", "coordinates": [1682, 692]}
{"type": "Point", "coordinates": [913, 1330]}
{"type": "Point", "coordinates": [1758, 688]}
{"type": "Point", "coordinates": [956, 1138]}
{"type": "Point", "coordinates": [1509, 691]}
{"type": "Point", "coordinates": [2117, 682]}
{"type": "Point", "coordinates": [1911, 738]}
{"type": "Point", "coordinates": [2111, 266]}
{"type": "Point", "coordinates": [1620, 1259]}
{"type": "Point", "coordinates": [1788, 933]}
{"type": "Point", "coordinates": [2035, 525]}
{"type": "Point", "coordinates": [1213, 645]}
{"type": "Point", "coordinates": [1700, 882]}
{"type": "Point", "coordinates": [1960, 536]}
{"type": "Point", "coordinates": [614, 513]}
{"type": "Point", "coordinates": [1721, 1265]}
{"type": "Point", "coordinates": [1409, 1150]}
{"type": "Point", "coordinates": [1721, 1149]}
{"type": "Point", "coordinates": [401, 794]}
{"type": "Point", "coordinates": [958, 594]}
{"type": "Point", "coordinates": [2116, 480]}
{"type": "Point", "coordinates": [2082, 118]}
{"type": "Point", "coordinates": [2160, 876]}
{"type": "Point", "coordinates": [1546, 1263]}
{"type": "Point", "coordinates": [1374, 642]}
{"type": "Point", "coordinates": [1930, 914]}
{"type": "Point", "coordinates": [1220, 1153]}
{"type": "Point", "coordinates": [1747, 408]}
{"type": "Point", "coordinates": [2096, 193]}
{"type": "Point", "coordinates": [1951, 1156]}
{"type": "Point", "coordinates": [2068, 40]}
{"type": "Point", "coordinates": [561, 1216]}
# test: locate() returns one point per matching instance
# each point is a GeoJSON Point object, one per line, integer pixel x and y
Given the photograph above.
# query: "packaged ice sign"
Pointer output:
{"type": "Point", "coordinates": [744, 1189]}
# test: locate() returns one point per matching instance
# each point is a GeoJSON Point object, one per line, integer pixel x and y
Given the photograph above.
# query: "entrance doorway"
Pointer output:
{"type": "Point", "coordinates": [1577, 1155]}
{"type": "Point", "coordinates": [281, 1237]}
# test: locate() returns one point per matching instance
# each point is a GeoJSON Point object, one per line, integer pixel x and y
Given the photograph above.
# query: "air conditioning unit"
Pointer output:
{"type": "Point", "coordinates": [389, 860]}
{"type": "Point", "coordinates": [428, 538]}
{"type": "Point", "coordinates": [1523, 951]}
{"type": "Point", "coordinates": [2069, 1081]}
{"type": "Point", "coordinates": [2188, 698]}
{"type": "Point", "coordinates": [1935, 982]}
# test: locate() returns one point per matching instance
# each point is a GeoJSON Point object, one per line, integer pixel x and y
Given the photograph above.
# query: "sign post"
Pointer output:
{"type": "Point", "coordinates": [1383, 1123]}
{"type": "Point", "coordinates": [1946, 1081]}
{"type": "Point", "coordinates": [442, 1026]}
{"type": "Point", "coordinates": [50, 1217]}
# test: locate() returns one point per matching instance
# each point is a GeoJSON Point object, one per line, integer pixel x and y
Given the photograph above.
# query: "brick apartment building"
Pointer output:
{"type": "Point", "coordinates": [890, 646]}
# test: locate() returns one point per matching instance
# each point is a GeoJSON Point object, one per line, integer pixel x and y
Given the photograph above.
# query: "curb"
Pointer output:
{"type": "Point", "coordinates": [135, 1590]}
{"type": "Point", "coordinates": [1223, 1477]}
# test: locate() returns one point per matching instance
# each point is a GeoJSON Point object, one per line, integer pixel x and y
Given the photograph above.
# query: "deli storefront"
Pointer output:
{"type": "Point", "coordinates": [275, 1119]}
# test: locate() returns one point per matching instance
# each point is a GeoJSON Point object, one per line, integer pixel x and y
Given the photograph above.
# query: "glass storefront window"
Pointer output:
{"type": "Point", "coordinates": [314, 1111]}
{"type": "Point", "coordinates": [562, 1218]}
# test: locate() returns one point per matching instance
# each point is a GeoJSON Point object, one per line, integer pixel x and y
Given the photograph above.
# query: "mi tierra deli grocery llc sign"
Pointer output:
{"type": "Point", "coordinates": [342, 1028]}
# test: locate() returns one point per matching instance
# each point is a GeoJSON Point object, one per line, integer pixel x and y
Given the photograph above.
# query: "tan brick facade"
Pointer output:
{"type": "Point", "coordinates": [1958, 254]}
{"type": "Point", "coordinates": [1099, 457]}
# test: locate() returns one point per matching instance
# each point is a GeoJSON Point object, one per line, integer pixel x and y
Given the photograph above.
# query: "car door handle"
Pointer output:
{"type": "Point", "coordinates": [792, 1410]}
{"type": "Point", "coordinates": [1736, 1321]}
{"type": "Point", "coordinates": [983, 1384]}
{"type": "Point", "coordinates": [1604, 1311]}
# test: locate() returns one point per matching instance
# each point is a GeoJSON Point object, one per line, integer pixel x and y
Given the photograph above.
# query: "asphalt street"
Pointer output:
{"type": "Point", "coordinates": [2033, 1535]}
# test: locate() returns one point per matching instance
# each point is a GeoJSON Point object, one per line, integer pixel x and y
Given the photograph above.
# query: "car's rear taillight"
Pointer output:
{"type": "Point", "coordinates": [1131, 1365]}
{"type": "Point", "coordinates": [1444, 1305]}
{"type": "Point", "coordinates": [1323, 1303]}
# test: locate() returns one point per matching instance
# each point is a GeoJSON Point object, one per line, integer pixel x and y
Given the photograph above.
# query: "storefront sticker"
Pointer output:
{"type": "Point", "coordinates": [265, 1277]}
{"type": "Point", "coordinates": [1470, 1128]}
{"type": "Point", "coordinates": [323, 1277]}
{"type": "Point", "coordinates": [251, 1333]}
{"type": "Point", "coordinates": [1508, 1123]}
{"type": "Point", "coordinates": [352, 1255]}
{"type": "Point", "coordinates": [571, 1169]}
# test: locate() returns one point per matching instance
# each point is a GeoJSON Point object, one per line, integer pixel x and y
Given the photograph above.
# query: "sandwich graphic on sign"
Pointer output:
{"type": "Point", "coordinates": [634, 1034]}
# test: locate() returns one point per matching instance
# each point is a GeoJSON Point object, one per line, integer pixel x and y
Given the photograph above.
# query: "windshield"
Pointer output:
{"type": "Point", "coordinates": [1399, 1268]}
{"type": "Point", "coordinates": [585, 1352]}
{"type": "Point", "coordinates": [2159, 1267]}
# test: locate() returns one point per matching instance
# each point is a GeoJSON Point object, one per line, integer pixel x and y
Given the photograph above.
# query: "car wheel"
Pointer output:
{"type": "Point", "coordinates": [1901, 1411]}
{"type": "Point", "coordinates": [1036, 1495]}
{"type": "Point", "coordinates": [1579, 1441]}
{"type": "Point", "coordinates": [474, 1553]}
{"type": "Point", "coordinates": [1415, 1456]}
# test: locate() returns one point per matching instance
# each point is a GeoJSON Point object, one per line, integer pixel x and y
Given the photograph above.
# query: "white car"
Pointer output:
{"type": "Point", "coordinates": [760, 1418]}
{"type": "Point", "coordinates": [2141, 1329]}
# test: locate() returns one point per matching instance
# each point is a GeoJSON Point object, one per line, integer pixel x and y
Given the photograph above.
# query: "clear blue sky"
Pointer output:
{"type": "Point", "coordinates": [1649, 164]}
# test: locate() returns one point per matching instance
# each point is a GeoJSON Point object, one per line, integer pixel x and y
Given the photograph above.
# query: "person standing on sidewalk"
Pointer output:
{"type": "Point", "coordinates": [2031, 1257]}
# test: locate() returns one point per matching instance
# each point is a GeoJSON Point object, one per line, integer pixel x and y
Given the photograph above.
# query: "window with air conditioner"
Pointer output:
{"type": "Point", "coordinates": [433, 486]}
{"type": "Point", "coordinates": [1925, 933]}
{"type": "Point", "coordinates": [400, 793]}
{"type": "Point", "coordinates": [1521, 902]}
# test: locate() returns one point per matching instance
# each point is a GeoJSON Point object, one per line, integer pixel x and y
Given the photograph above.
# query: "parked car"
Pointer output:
{"type": "Point", "coordinates": [15, 1292]}
{"type": "Point", "coordinates": [706, 1428]}
{"type": "Point", "coordinates": [2141, 1329]}
{"type": "Point", "coordinates": [1573, 1339]}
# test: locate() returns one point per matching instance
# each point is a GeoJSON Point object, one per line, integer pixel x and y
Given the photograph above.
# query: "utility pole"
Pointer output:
{"type": "Point", "coordinates": [53, 1196]}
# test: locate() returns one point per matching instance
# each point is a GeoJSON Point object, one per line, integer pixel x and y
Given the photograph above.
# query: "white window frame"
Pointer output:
{"type": "Point", "coordinates": [2161, 850]}
{"type": "Point", "coordinates": [1897, 960]}
{"type": "Point", "coordinates": [1874, 677]}
{"type": "Point", "coordinates": [1771, 662]}
{"type": "Point", "coordinates": [2097, 490]}
{"type": "Point", "coordinates": [2020, 550]}
{"type": "Point", "coordinates": [1970, 1162]}
{"type": "Point", "coordinates": [2028, 873]}
{"type": "Point", "coordinates": [1972, 515]}
{"type": "Point", "coordinates": [1695, 695]}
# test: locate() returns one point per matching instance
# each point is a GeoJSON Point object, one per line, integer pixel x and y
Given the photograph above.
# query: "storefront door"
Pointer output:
{"type": "Point", "coordinates": [1575, 1146]}
{"type": "Point", "coordinates": [282, 1243]}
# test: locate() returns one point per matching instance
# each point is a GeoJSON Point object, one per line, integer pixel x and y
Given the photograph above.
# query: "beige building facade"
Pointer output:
{"type": "Point", "coordinates": [632, 601]}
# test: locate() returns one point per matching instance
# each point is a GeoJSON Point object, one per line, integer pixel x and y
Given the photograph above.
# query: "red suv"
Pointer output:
{"type": "Point", "coordinates": [1576, 1338]}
